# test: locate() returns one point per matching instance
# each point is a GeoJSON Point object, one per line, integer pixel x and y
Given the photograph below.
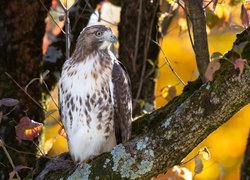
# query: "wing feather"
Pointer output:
{"type": "Point", "coordinates": [122, 102]}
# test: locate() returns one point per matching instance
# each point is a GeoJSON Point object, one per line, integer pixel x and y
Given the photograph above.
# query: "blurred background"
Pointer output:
{"type": "Point", "coordinates": [32, 43]}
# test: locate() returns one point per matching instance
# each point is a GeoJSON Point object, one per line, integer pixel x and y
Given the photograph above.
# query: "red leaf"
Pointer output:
{"type": "Point", "coordinates": [8, 102]}
{"type": "Point", "coordinates": [239, 64]}
{"type": "Point", "coordinates": [62, 132]}
{"type": "Point", "coordinates": [28, 129]}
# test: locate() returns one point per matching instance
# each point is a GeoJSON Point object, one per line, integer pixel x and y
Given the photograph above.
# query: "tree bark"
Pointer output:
{"type": "Point", "coordinates": [245, 168]}
{"type": "Point", "coordinates": [137, 26]}
{"type": "Point", "coordinates": [197, 16]}
{"type": "Point", "coordinates": [21, 31]}
{"type": "Point", "coordinates": [164, 137]}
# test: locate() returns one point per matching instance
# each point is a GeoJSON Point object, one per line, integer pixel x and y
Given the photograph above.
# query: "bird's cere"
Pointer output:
{"type": "Point", "coordinates": [109, 36]}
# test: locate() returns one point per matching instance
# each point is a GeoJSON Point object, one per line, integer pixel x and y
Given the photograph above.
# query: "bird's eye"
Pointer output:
{"type": "Point", "coordinates": [98, 33]}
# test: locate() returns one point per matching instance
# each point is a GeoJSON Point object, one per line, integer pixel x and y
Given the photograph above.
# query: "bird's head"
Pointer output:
{"type": "Point", "coordinates": [97, 37]}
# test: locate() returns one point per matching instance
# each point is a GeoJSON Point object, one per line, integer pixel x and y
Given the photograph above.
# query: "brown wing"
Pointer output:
{"type": "Point", "coordinates": [122, 102]}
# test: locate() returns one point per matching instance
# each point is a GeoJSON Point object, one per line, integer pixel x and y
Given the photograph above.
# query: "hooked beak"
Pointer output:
{"type": "Point", "coordinates": [110, 37]}
{"type": "Point", "coordinates": [113, 39]}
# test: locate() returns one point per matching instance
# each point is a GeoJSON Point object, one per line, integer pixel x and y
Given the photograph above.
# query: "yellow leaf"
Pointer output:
{"type": "Point", "coordinates": [49, 144]}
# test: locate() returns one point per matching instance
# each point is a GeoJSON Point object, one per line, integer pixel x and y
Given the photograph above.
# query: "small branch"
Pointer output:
{"type": "Point", "coordinates": [67, 27]}
{"type": "Point", "coordinates": [146, 48]}
{"type": "Point", "coordinates": [92, 10]}
{"type": "Point", "coordinates": [62, 5]}
{"type": "Point", "coordinates": [168, 63]}
{"type": "Point", "coordinates": [67, 35]}
{"type": "Point", "coordinates": [39, 105]}
{"type": "Point", "coordinates": [9, 158]}
{"type": "Point", "coordinates": [78, 16]}
{"type": "Point", "coordinates": [198, 19]}
{"type": "Point", "coordinates": [46, 87]}
{"type": "Point", "coordinates": [39, 149]}
{"type": "Point", "coordinates": [187, 21]}
{"type": "Point", "coordinates": [208, 4]}
{"type": "Point", "coordinates": [52, 17]}
{"type": "Point", "coordinates": [21, 152]}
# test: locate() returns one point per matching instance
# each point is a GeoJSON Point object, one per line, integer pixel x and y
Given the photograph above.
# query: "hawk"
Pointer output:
{"type": "Point", "coordinates": [94, 96]}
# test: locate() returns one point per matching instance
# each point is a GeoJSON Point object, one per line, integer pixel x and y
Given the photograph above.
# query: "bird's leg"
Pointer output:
{"type": "Point", "coordinates": [86, 161]}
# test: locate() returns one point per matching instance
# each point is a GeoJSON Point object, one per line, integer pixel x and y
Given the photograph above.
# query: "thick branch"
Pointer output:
{"type": "Point", "coordinates": [163, 138]}
{"type": "Point", "coordinates": [198, 19]}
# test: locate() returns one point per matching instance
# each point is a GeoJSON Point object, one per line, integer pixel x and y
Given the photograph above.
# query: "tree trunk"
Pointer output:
{"type": "Point", "coordinates": [164, 137]}
{"type": "Point", "coordinates": [21, 31]}
{"type": "Point", "coordinates": [137, 26]}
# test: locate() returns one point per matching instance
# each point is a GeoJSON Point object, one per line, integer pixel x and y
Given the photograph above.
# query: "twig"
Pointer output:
{"type": "Point", "coordinates": [46, 87]}
{"type": "Point", "coordinates": [92, 10]}
{"type": "Point", "coordinates": [187, 21]}
{"type": "Point", "coordinates": [67, 27]}
{"type": "Point", "coordinates": [9, 158]}
{"type": "Point", "coordinates": [78, 16]}
{"type": "Point", "coordinates": [38, 149]}
{"type": "Point", "coordinates": [62, 6]}
{"type": "Point", "coordinates": [137, 37]}
{"type": "Point", "coordinates": [3, 164]}
{"type": "Point", "coordinates": [189, 32]}
{"type": "Point", "coordinates": [208, 4]}
{"type": "Point", "coordinates": [18, 151]}
{"type": "Point", "coordinates": [39, 105]}
{"type": "Point", "coordinates": [52, 17]}
{"type": "Point", "coordinates": [168, 62]}
{"type": "Point", "coordinates": [10, 111]}
{"type": "Point", "coordinates": [147, 44]}
{"type": "Point", "coordinates": [182, 163]}
{"type": "Point", "coordinates": [185, 10]}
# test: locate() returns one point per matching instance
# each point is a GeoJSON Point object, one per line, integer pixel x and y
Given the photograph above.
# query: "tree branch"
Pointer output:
{"type": "Point", "coordinates": [164, 137]}
{"type": "Point", "coordinates": [198, 19]}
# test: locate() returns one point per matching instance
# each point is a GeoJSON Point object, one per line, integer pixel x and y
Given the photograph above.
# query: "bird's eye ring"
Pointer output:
{"type": "Point", "coordinates": [98, 33]}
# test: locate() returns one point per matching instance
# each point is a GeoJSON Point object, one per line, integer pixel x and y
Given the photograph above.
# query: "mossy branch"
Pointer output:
{"type": "Point", "coordinates": [164, 137]}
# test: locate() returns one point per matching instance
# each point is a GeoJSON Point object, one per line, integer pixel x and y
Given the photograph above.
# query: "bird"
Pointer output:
{"type": "Point", "coordinates": [95, 98]}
